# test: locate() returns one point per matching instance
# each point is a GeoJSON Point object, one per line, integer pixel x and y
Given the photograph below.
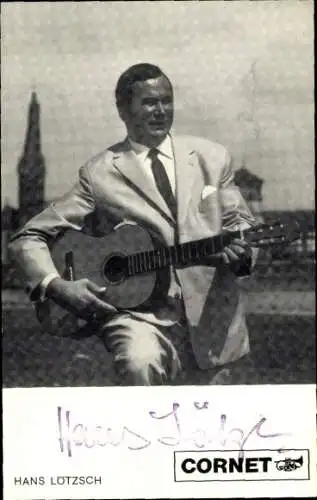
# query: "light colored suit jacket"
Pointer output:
{"type": "Point", "coordinates": [112, 187]}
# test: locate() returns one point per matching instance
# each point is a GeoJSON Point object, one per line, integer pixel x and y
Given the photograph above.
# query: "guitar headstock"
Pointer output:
{"type": "Point", "coordinates": [277, 233]}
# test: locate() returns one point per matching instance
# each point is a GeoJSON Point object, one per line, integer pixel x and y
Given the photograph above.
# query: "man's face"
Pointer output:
{"type": "Point", "coordinates": [149, 116]}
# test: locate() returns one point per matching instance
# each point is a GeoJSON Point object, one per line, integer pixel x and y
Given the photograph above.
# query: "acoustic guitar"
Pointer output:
{"type": "Point", "coordinates": [135, 268]}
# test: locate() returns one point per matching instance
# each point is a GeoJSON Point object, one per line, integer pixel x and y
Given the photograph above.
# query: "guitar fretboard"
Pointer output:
{"type": "Point", "coordinates": [181, 255]}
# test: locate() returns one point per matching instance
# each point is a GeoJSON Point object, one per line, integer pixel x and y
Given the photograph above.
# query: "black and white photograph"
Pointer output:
{"type": "Point", "coordinates": [158, 212]}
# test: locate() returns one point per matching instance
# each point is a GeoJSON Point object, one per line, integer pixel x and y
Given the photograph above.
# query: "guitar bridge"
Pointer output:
{"type": "Point", "coordinates": [69, 271]}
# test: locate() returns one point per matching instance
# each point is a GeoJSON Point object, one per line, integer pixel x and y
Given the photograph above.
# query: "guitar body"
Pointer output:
{"type": "Point", "coordinates": [92, 254]}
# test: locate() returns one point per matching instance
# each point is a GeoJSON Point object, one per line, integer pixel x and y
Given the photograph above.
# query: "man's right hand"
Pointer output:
{"type": "Point", "coordinates": [80, 297]}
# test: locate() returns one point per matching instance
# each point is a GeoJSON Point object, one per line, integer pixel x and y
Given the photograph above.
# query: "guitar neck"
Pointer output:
{"type": "Point", "coordinates": [181, 255]}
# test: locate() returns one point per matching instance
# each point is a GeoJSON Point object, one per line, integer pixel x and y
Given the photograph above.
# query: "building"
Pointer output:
{"type": "Point", "coordinates": [250, 186]}
{"type": "Point", "coordinates": [9, 222]}
{"type": "Point", "coordinates": [31, 174]}
{"type": "Point", "coordinates": [31, 181]}
{"type": "Point", "coordinates": [31, 167]}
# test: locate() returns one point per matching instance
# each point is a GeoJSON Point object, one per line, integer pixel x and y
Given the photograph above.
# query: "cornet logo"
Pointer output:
{"type": "Point", "coordinates": [289, 464]}
{"type": "Point", "coordinates": [249, 465]}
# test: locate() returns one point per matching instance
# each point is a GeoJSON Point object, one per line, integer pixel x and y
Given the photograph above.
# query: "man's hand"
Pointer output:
{"type": "Point", "coordinates": [237, 255]}
{"type": "Point", "coordinates": [80, 297]}
{"type": "Point", "coordinates": [234, 251]}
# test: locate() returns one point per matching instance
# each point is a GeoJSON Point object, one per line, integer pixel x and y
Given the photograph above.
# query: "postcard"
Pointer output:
{"type": "Point", "coordinates": [158, 250]}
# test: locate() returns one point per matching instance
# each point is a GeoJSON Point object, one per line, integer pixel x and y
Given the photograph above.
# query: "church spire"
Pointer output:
{"type": "Point", "coordinates": [33, 137]}
{"type": "Point", "coordinates": [31, 167]}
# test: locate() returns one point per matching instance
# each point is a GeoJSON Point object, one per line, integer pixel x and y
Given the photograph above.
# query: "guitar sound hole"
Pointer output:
{"type": "Point", "coordinates": [114, 269]}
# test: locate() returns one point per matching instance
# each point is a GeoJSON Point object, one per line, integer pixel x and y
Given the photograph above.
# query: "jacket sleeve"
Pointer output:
{"type": "Point", "coordinates": [30, 245]}
{"type": "Point", "coordinates": [235, 211]}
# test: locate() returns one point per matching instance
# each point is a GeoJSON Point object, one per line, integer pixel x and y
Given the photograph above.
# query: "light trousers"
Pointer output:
{"type": "Point", "coordinates": [148, 354]}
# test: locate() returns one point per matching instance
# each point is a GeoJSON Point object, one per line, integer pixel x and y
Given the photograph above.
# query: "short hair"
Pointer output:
{"type": "Point", "coordinates": [136, 73]}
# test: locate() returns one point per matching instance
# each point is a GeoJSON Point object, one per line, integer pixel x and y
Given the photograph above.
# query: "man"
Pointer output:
{"type": "Point", "coordinates": [179, 188]}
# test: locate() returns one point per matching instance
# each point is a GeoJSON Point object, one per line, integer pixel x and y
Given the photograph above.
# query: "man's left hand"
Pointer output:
{"type": "Point", "coordinates": [234, 251]}
{"type": "Point", "coordinates": [237, 255]}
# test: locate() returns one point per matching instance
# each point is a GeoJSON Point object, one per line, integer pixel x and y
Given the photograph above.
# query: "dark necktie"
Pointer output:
{"type": "Point", "coordinates": [162, 182]}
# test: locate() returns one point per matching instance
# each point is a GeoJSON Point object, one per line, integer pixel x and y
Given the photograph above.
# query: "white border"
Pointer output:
{"type": "Point", "coordinates": [193, 420]}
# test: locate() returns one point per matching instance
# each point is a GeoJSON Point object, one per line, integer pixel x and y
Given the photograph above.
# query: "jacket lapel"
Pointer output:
{"type": "Point", "coordinates": [185, 173]}
{"type": "Point", "coordinates": [127, 163]}
{"type": "Point", "coordinates": [125, 160]}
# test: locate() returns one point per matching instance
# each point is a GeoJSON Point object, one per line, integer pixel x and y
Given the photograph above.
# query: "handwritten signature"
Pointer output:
{"type": "Point", "coordinates": [71, 435]}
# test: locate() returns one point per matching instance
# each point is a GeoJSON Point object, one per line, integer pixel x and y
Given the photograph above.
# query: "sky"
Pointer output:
{"type": "Point", "coordinates": [242, 73]}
